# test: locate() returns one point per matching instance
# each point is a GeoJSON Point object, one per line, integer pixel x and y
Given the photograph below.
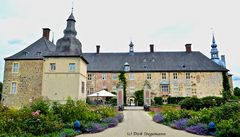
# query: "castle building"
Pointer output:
{"type": "Point", "coordinates": [59, 71]}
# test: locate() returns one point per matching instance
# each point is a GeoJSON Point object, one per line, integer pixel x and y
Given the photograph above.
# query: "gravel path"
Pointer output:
{"type": "Point", "coordinates": [140, 124]}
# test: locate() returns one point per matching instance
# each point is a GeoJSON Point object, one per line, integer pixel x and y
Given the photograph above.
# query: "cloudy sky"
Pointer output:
{"type": "Point", "coordinates": [168, 24]}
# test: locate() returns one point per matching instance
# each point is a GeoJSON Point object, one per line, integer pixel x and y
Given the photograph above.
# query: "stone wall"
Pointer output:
{"type": "Point", "coordinates": [62, 83]}
{"type": "Point", "coordinates": [28, 80]}
{"type": "Point", "coordinates": [200, 84]}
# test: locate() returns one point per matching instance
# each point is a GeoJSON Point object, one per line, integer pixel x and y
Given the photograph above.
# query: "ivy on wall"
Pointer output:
{"type": "Point", "coordinates": [226, 87]}
{"type": "Point", "coordinates": [123, 80]}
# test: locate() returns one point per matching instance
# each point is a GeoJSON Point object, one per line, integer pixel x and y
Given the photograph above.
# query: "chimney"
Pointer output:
{"type": "Point", "coordinates": [98, 49]}
{"type": "Point", "coordinates": [188, 48]}
{"type": "Point", "coordinates": [151, 48]}
{"type": "Point", "coordinates": [223, 59]}
{"type": "Point", "coordinates": [46, 32]}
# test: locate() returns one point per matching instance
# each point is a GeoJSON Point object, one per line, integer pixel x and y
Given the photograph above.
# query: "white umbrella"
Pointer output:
{"type": "Point", "coordinates": [102, 93]}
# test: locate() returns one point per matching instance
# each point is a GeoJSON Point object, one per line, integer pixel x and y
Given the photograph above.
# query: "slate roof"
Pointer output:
{"type": "Point", "coordinates": [35, 51]}
{"type": "Point", "coordinates": [151, 62]}
{"type": "Point", "coordinates": [40, 49]}
{"type": "Point", "coordinates": [114, 62]}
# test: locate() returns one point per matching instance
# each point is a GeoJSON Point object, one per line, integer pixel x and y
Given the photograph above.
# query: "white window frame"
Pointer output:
{"type": "Point", "coordinates": [104, 76]}
{"type": "Point", "coordinates": [91, 90]}
{"type": "Point", "coordinates": [89, 76]}
{"type": "Point", "coordinates": [176, 88]}
{"type": "Point", "coordinates": [132, 89]}
{"type": "Point", "coordinates": [83, 87]}
{"type": "Point", "coordinates": [15, 69]}
{"type": "Point", "coordinates": [14, 88]}
{"type": "Point", "coordinates": [127, 68]}
{"type": "Point", "coordinates": [175, 75]}
{"type": "Point", "coordinates": [188, 75]}
{"type": "Point", "coordinates": [53, 66]}
{"type": "Point", "coordinates": [165, 88]}
{"type": "Point", "coordinates": [149, 76]}
{"type": "Point", "coordinates": [164, 76]}
{"type": "Point", "coordinates": [114, 76]}
{"type": "Point", "coordinates": [72, 67]}
{"type": "Point", "coordinates": [131, 76]}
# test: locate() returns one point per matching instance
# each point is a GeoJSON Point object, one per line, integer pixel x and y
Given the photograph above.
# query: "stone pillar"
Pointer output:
{"type": "Point", "coordinates": [147, 95]}
{"type": "Point", "coordinates": [120, 96]}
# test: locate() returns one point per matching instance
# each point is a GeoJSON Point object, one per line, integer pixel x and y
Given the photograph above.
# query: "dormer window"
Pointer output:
{"type": "Point", "coordinates": [126, 67]}
{"type": "Point", "coordinates": [26, 53]}
{"type": "Point", "coordinates": [39, 53]}
{"type": "Point", "coordinates": [145, 67]}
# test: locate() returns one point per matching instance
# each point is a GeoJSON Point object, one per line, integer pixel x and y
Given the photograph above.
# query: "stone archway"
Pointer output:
{"type": "Point", "coordinates": [131, 101]}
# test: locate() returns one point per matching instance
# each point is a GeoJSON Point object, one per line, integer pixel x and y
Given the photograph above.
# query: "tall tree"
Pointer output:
{"type": "Point", "coordinates": [139, 97]}
{"type": "Point", "coordinates": [237, 91]}
{"type": "Point", "coordinates": [1, 85]}
{"type": "Point", "coordinates": [123, 80]}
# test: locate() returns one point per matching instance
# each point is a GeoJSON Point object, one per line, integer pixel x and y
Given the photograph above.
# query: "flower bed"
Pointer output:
{"type": "Point", "coordinates": [53, 119]}
{"type": "Point", "coordinates": [221, 121]}
{"type": "Point", "coordinates": [164, 107]}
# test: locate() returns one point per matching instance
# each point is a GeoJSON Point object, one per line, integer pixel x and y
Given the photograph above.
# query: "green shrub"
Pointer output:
{"type": "Point", "coordinates": [175, 100]}
{"type": "Point", "coordinates": [45, 119]}
{"type": "Point", "coordinates": [40, 125]}
{"type": "Point", "coordinates": [79, 110]}
{"type": "Point", "coordinates": [226, 111]}
{"type": "Point", "coordinates": [228, 128]}
{"type": "Point", "coordinates": [191, 103]}
{"type": "Point", "coordinates": [69, 132]}
{"type": "Point", "coordinates": [184, 113]}
{"type": "Point", "coordinates": [212, 101]}
{"type": "Point", "coordinates": [158, 100]}
{"type": "Point", "coordinates": [170, 116]}
{"type": "Point", "coordinates": [113, 101]}
{"type": "Point", "coordinates": [106, 111]}
{"type": "Point", "coordinates": [42, 105]}
{"type": "Point", "coordinates": [205, 115]}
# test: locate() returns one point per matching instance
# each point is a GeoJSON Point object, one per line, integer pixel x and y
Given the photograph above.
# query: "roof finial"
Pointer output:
{"type": "Point", "coordinates": [213, 38]}
{"type": "Point", "coordinates": [72, 6]}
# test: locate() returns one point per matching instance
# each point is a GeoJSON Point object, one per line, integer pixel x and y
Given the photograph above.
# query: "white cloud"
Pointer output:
{"type": "Point", "coordinates": [112, 24]}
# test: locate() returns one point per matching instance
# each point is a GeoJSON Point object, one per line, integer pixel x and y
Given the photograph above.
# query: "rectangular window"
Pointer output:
{"type": "Point", "coordinates": [104, 76]}
{"type": "Point", "coordinates": [114, 76]}
{"type": "Point", "coordinates": [174, 75]}
{"type": "Point", "coordinates": [89, 76]}
{"type": "Point", "coordinates": [164, 88]}
{"type": "Point", "coordinates": [149, 76]}
{"type": "Point", "coordinates": [52, 66]}
{"type": "Point", "coordinates": [14, 88]}
{"type": "Point", "coordinates": [91, 90]}
{"type": "Point", "coordinates": [164, 76]}
{"type": "Point", "coordinates": [83, 87]}
{"type": "Point", "coordinates": [188, 75]}
{"type": "Point", "coordinates": [131, 75]}
{"type": "Point", "coordinates": [15, 67]}
{"type": "Point", "coordinates": [175, 88]}
{"type": "Point", "coordinates": [72, 66]}
{"type": "Point", "coordinates": [39, 53]}
{"type": "Point", "coordinates": [114, 89]}
{"type": "Point", "coordinates": [132, 89]}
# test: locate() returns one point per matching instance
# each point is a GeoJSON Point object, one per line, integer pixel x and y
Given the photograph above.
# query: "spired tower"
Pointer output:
{"type": "Point", "coordinates": [65, 70]}
{"type": "Point", "coordinates": [69, 45]}
{"type": "Point", "coordinates": [131, 51]}
{"type": "Point", "coordinates": [214, 54]}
